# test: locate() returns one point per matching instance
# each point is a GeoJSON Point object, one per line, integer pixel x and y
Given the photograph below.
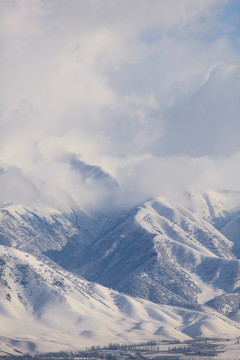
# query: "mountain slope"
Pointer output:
{"type": "Point", "coordinates": [60, 311]}
{"type": "Point", "coordinates": [156, 251]}
{"type": "Point", "coordinates": [179, 257]}
{"type": "Point", "coordinates": [39, 230]}
{"type": "Point", "coordinates": [159, 252]}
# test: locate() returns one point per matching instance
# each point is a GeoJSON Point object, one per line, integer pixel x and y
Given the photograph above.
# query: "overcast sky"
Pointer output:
{"type": "Point", "coordinates": [147, 89]}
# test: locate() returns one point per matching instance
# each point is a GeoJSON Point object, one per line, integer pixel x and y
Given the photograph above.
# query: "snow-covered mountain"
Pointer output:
{"type": "Point", "coordinates": [161, 253]}
{"type": "Point", "coordinates": [178, 265]}
{"type": "Point", "coordinates": [92, 173]}
{"type": "Point", "coordinates": [47, 309]}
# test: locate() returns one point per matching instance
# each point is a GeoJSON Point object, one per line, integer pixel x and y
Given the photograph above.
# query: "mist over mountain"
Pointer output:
{"type": "Point", "coordinates": [149, 96]}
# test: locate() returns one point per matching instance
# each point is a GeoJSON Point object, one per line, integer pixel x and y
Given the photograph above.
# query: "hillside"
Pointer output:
{"type": "Point", "coordinates": [47, 309]}
{"type": "Point", "coordinates": [174, 271]}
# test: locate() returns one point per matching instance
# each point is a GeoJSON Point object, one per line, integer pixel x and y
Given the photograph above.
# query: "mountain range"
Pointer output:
{"type": "Point", "coordinates": [158, 270]}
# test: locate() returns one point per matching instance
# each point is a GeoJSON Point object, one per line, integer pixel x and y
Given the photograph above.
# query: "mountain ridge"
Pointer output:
{"type": "Point", "coordinates": [158, 255]}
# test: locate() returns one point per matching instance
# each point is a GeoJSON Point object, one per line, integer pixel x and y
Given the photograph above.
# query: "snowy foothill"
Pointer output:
{"type": "Point", "coordinates": [45, 309]}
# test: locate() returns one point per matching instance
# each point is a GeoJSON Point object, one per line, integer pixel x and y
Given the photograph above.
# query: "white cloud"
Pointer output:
{"type": "Point", "coordinates": [121, 84]}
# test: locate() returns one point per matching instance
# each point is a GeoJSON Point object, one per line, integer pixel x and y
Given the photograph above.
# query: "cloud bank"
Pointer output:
{"type": "Point", "coordinates": [146, 90]}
